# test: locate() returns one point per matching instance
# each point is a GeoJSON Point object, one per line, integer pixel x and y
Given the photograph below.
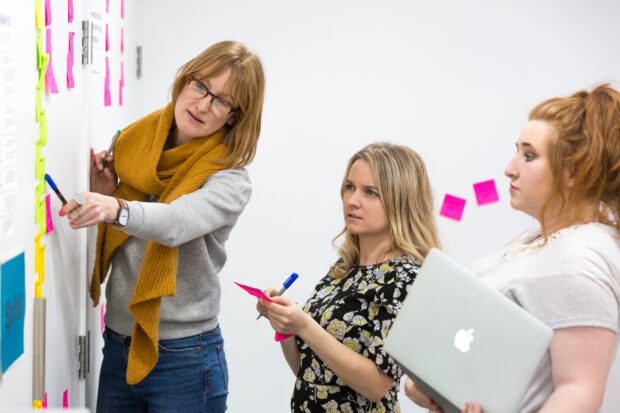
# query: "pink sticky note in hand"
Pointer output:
{"type": "Point", "coordinates": [65, 399]}
{"type": "Point", "coordinates": [255, 292]}
{"type": "Point", "coordinates": [280, 336]}
{"type": "Point", "coordinates": [48, 215]}
{"type": "Point", "coordinates": [486, 192]}
{"type": "Point", "coordinates": [452, 207]}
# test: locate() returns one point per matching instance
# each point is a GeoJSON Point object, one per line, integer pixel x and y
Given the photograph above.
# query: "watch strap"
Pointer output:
{"type": "Point", "coordinates": [121, 205]}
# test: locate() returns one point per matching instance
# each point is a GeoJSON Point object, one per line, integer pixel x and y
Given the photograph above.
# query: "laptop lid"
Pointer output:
{"type": "Point", "coordinates": [462, 341]}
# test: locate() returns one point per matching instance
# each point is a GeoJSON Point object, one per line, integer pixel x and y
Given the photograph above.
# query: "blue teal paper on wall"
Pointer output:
{"type": "Point", "coordinates": [12, 311]}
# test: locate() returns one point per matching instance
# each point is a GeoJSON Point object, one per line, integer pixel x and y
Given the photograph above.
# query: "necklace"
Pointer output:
{"type": "Point", "coordinates": [526, 247]}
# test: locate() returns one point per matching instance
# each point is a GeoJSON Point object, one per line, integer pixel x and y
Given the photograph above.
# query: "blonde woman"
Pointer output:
{"type": "Point", "coordinates": [566, 271]}
{"type": "Point", "coordinates": [337, 351]}
{"type": "Point", "coordinates": [172, 193]}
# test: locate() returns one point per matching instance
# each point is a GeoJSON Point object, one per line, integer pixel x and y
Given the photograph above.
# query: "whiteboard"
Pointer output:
{"type": "Point", "coordinates": [76, 119]}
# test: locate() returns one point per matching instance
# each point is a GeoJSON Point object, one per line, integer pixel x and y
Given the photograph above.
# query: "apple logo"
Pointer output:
{"type": "Point", "coordinates": [463, 339]}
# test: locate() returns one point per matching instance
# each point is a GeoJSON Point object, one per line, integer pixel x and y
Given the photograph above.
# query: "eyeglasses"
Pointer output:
{"type": "Point", "coordinates": [199, 90]}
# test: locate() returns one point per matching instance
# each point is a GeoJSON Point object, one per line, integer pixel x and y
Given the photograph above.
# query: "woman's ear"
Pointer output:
{"type": "Point", "coordinates": [570, 175]}
{"type": "Point", "coordinates": [232, 119]}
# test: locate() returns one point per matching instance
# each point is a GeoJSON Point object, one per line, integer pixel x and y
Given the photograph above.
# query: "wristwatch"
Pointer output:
{"type": "Point", "coordinates": [123, 214]}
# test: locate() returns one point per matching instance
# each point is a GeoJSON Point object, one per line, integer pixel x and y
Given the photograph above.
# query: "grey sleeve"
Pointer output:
{"type": "Point", "coordinates": [218, 203]}
{"type": "Point", "coordinates": [584, 297]}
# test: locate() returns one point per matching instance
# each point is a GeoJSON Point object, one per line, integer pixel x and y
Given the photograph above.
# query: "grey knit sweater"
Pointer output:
{"type": "Point", "coordinates": [199, 223]}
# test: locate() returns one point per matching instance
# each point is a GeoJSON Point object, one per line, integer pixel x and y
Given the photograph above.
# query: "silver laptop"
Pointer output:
{"type": "Point", "coordinates": [461, 341]}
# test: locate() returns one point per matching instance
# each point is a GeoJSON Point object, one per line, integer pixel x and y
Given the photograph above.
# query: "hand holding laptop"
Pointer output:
{"type": "Point", "coordinates": [419, 397]}
{"type": "Point", "coordinates": [423, 400]}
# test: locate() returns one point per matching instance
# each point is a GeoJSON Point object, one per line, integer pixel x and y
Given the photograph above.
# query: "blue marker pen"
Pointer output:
{"type": "Point", "coordinates": [289, 281]}
{"type": "Point", "coordinates": [55, 188]}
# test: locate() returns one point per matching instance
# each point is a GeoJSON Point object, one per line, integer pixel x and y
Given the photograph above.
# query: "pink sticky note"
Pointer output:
{"type": "Point", "coordinates": [121, 83]}
{"type": "Point", "coordinates": [452, 207]}
{"type": "Point", "coordinates": [107, 37]}
{"type": "Point", "coordinates": [255, 292]}
{"type": "Point", "coordinates": [70, 81]}
{"type": "Point", "coordinates": [107, 6]}
{"type": "Point", "coordinates": [107, 98]}
{"type": "Point", "coordinates": [48, 13]}
{"type": "Point", "coordinates": [48, 215]}
{"type": "Point", "coordinates": [65, 399]}
{"type": "Point", "coordinates": [50, 79]}
{"type": "Point", "coordinates": [70, 11]}
{"type": "Point", "coordinates": [280, 337]}
{"type": "Point", "coordinates": [102, 313]}
{"type": "Point", "coordinates": [45, 401]}
{"type": "Point", "coordinates": [122, 9]}
{"type": "Point", "coordinates": [122, 40]}
{"type": "Point", "coordinates": [486, 192]}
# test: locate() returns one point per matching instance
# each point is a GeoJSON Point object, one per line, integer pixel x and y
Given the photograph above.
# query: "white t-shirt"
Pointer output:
{"type": "Point", "coordinates": [573, 280]}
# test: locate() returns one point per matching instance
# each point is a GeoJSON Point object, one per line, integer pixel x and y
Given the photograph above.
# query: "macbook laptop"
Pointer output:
{"type": "Point", "coordinates": [461, 341]}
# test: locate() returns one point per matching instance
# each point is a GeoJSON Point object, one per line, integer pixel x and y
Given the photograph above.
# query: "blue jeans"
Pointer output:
{"type": "Point", "coordinates": [191, 375]}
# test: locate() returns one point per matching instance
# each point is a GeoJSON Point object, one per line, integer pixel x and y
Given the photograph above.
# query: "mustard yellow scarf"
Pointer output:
{"type": "Point", "coordinates": [144, 169]}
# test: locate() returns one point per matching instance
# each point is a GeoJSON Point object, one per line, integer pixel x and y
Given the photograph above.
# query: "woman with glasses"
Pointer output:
{"type": "Point", "coordinates": [566, 271]}
{"type": "Point", "coordinates": [165, 203]}
{"type": "Point", "coordinates": [337, 352]}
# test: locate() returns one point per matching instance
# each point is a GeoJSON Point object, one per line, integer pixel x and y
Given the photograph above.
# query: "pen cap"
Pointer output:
{"type": "Point", "coordinates": [51, 182]}
{"type": "Point", "coordinates": [290, 280]}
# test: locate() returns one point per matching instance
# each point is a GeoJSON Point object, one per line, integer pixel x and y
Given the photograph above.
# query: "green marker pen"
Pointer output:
{"type": "Point", "coordinates": [114, 139]}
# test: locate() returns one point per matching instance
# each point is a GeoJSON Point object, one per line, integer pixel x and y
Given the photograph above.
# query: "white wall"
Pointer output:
{"type": "Point", "coordinates": [454, 80]}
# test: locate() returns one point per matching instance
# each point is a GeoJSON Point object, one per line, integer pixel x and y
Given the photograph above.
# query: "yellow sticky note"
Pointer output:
{"type": "Point", "coordinates": [39, 264]}
{"type": "Point", "coordinates": [38, 104]}
{"type": "Point", "coordinates": [40, 52]}
{"type": "Point", "coordinates": [43, 68]}
{"type": "Point", "coordinates": [39, 17]}
{"type": "Point", "coordinates": [42, 130]}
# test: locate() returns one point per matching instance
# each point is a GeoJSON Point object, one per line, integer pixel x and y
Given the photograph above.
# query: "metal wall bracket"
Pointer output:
{"type": "Point", "coordinates": [139, 62]}
{"type": "Point", "coordinates": [86, 42]}
{"type": "Point", "coordinates": [84, 355]}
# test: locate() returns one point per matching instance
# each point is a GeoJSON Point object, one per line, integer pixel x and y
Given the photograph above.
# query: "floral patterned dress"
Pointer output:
{"type": "Point", "coordinates": [358, 311]}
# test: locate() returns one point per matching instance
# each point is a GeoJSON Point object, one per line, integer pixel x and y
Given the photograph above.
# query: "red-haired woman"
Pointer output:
{"type": "Point", "coordinates": [566, 272]}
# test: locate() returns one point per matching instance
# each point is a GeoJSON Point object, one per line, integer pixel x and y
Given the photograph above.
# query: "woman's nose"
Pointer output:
{"type": "Point", "coordinates": [511, 170]}
{"type": "Point", "coordinates": [204, 104]}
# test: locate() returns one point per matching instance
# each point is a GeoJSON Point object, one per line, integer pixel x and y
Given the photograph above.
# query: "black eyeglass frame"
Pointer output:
{"type": "Point", "coordinates": [190, 77]}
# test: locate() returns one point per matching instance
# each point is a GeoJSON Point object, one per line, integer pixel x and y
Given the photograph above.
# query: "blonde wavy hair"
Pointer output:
{"type": "Point", "coordinates": [406, 196]}
{"type": "Point", "coordinates": [587, 143]}
{"type": "Point", "coordinates": [247, 88]}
